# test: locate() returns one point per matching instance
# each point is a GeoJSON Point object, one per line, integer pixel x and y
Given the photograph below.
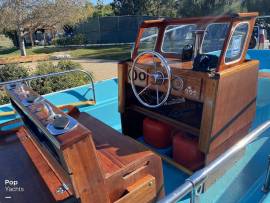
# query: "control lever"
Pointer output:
{"type": "Point", "coordinates": [22, 90]}
{"type": "Point", "coordinates": [52, 114]}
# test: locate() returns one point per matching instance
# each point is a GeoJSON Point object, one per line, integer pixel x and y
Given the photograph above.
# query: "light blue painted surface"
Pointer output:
{"type": "Point", "coordinates": [262, 55]}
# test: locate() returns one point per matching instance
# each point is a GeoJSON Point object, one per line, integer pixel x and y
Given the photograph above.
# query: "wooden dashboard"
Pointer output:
{"type": "Point", "coordinates": [186, 83]}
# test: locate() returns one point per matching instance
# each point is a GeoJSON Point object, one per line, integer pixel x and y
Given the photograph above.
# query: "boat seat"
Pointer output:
{"type": "Point", "coordinates": [122, 159]}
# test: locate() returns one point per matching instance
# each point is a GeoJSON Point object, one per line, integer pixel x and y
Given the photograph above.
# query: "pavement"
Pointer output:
{"type": "Point", "coordinates": [101, 69]}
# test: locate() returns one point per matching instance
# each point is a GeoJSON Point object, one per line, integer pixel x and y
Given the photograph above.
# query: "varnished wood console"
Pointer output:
{"type": "Point", "coordinates": [216, 104]}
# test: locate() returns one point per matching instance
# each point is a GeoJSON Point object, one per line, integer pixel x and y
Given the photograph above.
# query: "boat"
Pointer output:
{"type": "Point", "coordinates": [186, 120]}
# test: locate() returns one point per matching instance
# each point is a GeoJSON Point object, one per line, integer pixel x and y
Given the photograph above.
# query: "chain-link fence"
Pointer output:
{"type": "Point", "coordinates": [113, 29]}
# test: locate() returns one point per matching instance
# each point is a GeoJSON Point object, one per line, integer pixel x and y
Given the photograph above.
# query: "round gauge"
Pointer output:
{"type": "Point", "coordinates": [142, 76]}
{"type": "Point", "coordinates": [177, 83]}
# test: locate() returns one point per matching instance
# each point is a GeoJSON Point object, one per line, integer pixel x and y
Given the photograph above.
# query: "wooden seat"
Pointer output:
{"type": "Point", "coordinates": [122, 159]}
{"type": "Point", "coordinates": [91, 162]}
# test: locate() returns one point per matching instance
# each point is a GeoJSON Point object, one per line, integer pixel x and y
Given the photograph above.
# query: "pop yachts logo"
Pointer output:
{"type": "Point", "coordinates": [13, 186]}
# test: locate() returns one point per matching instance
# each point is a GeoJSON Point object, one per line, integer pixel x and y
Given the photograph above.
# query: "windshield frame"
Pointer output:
{"type": "Point", "coordinates": [202, 22]}
{"type": "Point", "coordinates": [228, 44]}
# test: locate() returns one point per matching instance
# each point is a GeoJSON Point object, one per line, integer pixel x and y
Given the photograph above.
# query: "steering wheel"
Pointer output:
{"type": "Point", "coordinates": [158, 75]}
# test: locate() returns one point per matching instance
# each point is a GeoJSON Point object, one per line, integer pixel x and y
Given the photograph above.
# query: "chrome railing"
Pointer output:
{"type": "Point", "coordinates": [25, 80]}
{"type": "Point", "coordinates": [195, 182]}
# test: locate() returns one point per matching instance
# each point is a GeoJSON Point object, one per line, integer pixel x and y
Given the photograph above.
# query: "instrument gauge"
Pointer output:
{"type": "Point", "coordinates": [177, 83]}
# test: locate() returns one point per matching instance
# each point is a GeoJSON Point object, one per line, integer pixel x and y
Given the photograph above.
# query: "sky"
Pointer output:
{"type": "Point", "coordinates": [104, 1]}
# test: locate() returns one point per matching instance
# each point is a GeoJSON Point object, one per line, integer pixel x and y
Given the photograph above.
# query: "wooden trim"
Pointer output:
{"type": "Point", "coordinates": [143, 190]}
{"type": "Point", "coordinates": [239, 16]}
{"type": "Point", "coordinates": [86, 173]}
{"type": "Point", "coordinates": [48, 175]}
{"type": "Point", "coordinates": [160, 39]}
{"type": "Point", "coordinates": [122, 73]}
{"type": "Point", "coordinates": [23, 59]}
{"type": "Point", "coordinates": [11, 131]}
{"type": "Point", "coordinates": [210, 95]}
{"type": "Point", "coordinates": [223, 66]}
{"type": "Point", "coordinates": [220, 66]}
{"type": "Point", "coordinates": [137, 43]}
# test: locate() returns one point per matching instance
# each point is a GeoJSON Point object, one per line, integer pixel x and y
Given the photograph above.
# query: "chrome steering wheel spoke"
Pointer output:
{"type": "Point", "coordinates": [158, 75]}
{"type": "Point", "coordinates": [142, 70]}
{"type": "Point", "coordinates": [144, 89]}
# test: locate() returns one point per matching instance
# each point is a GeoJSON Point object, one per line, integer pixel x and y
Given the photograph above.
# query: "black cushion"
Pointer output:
{"type": "Point", "coordinates": [187, 52]}
{"type": "Point", "coordinates": [205, 62]}
{"type": "Point", "coordinates": [60, 122]}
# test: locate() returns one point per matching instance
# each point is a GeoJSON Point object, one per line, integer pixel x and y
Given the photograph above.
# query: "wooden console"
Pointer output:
{"type": "Point", "coordinates": [219, 104]}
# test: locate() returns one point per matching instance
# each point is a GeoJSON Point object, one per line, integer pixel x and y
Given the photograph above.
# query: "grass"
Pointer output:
{"type": "Point", "coordinates": [120, 52]}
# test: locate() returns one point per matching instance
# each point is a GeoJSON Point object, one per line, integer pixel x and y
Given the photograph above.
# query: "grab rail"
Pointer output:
{"type": "Point", "coordinates": [57, 74]}
{"type": "Point", "coordinates": [199, 177]}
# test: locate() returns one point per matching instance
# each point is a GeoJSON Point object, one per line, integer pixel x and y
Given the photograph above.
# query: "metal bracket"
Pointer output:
{"type": "Point", "coordinates": [63, 188]}
{"type": "Point", "coordinates": [196, 191]}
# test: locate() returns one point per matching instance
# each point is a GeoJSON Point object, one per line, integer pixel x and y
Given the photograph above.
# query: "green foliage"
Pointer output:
{"type": "Point", "coordinates": [166, 8]}
{"type": "Point", "coordinates": [53, 84]}
{"type": "Point", "coordinates": [180, 8]}
{"type": "Point", "coordinates": [13, 72]}
{"type": "Point", "coordinates": [78, 39]}
{"type": "Point", "coordinates": [102, 10]}
{"type": "Point", "coordinates": [68, 65]}
{"type": "Point", "coordinates": [44, 85]}
{"type": "Point", "coordinates": [135, 7]}
{"type": "Point", "coordinates": [3, 97]}
{"type": "Point", "coordinates": [188, 8]}
{"type": "Point", "coordinates": [261, 6]}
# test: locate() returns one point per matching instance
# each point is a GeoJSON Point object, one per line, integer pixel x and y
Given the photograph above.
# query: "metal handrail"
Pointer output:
{"type": "Point", "coordinates": [51, 75]}
{"type": "Point", "coordinates": [199, 177]}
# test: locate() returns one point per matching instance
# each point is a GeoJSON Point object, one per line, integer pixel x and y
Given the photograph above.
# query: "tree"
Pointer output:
{"type": "Point", "coordinates": [136, 7]}
{"type": "Point", "coordinates": [189, 8]}
{"type": "Point", "coordinates": [261, 6]}
{"type": "Point", "coordinates": [102, 10]}
{"type": "Point", "coordinates": [27, 16]}
{"type": "Point", "coordinates": [176, 8]}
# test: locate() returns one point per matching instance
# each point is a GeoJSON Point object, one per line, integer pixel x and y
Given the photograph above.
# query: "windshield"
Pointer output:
{"type": "Point", "coordinates": [214, 37]}
{"type": "Point", "coordinates": [177, 36]}
{"type": "Point", "coordinates": [148, 40]}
